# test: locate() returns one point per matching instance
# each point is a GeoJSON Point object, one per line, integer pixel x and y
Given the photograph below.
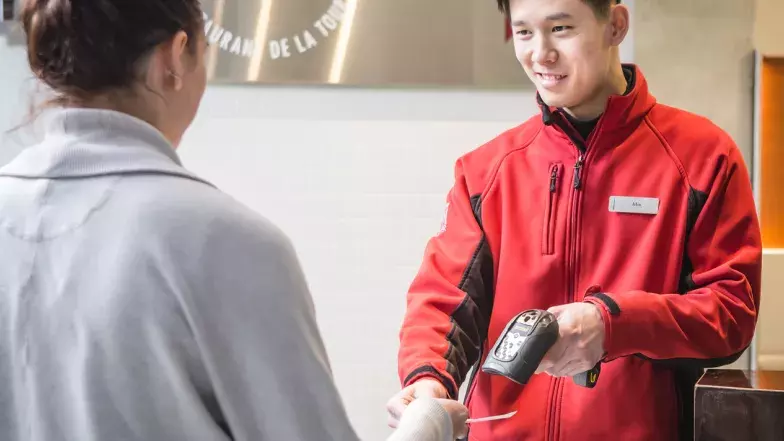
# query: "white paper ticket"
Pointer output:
{"type": "Point", "coordinates": [491, 418]}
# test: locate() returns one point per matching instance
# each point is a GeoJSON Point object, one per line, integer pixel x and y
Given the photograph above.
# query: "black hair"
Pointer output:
{"type": "Point", "coordinates": [600, 7]}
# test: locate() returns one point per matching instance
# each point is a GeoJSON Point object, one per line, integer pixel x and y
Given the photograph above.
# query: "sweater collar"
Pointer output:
{"type": "Point", "coordinates": [79, 143]}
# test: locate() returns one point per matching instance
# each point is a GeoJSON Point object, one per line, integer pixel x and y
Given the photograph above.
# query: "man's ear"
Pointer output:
{"type": "Point", "coordinates": [619, 23]}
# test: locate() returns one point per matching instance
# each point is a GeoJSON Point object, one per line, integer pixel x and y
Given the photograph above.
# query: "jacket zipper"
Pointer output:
{"type": "Point", "coordinates": [551, 207]}
{"type": "Point", "coordinates": [577, 185]}
{"type": "Point", "coordinates": [578, 166]}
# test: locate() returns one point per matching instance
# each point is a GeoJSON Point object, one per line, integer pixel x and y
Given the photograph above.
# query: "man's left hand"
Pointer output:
{"type": "Point", "coordinates": [580, 344]}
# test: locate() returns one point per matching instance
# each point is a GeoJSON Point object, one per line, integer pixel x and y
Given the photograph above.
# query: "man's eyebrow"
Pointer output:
{"type": "Point", "coordinates": [552, 17]}
{"type": "Point", "coordinates": [558, 16]}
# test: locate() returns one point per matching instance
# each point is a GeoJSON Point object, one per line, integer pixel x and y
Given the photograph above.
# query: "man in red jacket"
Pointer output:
{"type": "Point", "coordinates": [633, 222]}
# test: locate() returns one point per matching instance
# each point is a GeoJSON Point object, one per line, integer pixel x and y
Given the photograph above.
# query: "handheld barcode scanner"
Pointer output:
{"type": "Point", "coordinates": [522, 346]}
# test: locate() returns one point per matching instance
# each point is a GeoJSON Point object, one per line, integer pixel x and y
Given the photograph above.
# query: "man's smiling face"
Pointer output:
{"type": "Point", "coordinates": [564, 47]}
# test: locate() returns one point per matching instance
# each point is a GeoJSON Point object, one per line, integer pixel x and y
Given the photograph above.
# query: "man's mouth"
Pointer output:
{"type": "Point", "coordinates": [550, 77]}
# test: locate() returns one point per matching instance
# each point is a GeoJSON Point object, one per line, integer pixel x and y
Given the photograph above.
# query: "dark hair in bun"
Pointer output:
{"type": "Point", "coordinates": [81, 48]}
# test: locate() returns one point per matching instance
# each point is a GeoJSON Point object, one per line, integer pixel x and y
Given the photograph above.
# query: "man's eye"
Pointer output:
{"type": "Point", "coordinates": [524, 32]}
{"type": "Point", "coordinates": [561, 28]}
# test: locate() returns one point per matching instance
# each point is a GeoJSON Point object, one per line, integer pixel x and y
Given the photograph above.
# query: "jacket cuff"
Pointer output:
{"type": "Point", "coordinates": [610, 312]}
{"type": "Point", "coordinates": [428, 371]}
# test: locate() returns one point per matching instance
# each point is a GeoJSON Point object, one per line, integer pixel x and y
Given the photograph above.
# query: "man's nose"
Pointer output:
{"type": "Point", "coordinates": [543, 53]}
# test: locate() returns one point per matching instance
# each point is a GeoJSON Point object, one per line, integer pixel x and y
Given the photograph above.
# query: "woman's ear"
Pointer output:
{"type": "Point", "coordinates": [175, 56]}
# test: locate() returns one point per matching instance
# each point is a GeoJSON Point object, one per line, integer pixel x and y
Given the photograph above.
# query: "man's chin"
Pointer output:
{"type": "Point", "coordinates": [554, 99]}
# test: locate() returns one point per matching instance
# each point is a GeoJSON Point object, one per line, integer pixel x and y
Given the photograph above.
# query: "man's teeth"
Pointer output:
{"type": "Point", "coordinates": [552, 77]}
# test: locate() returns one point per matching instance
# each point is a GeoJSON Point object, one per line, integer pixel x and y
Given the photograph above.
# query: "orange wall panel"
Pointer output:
{"type": "Point", "coordinates": [772, 147]}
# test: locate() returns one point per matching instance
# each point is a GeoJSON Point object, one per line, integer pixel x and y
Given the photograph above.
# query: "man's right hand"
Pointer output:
{"type": "Point", "coordinates": [426, 387]}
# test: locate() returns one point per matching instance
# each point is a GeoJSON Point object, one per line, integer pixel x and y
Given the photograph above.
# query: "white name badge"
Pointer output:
{"type": "Point", "coordinates": [632, 205]}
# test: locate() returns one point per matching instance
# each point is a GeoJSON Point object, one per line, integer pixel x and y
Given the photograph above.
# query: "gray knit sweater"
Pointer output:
{"type": "Point", "coordinates": [138, 302]}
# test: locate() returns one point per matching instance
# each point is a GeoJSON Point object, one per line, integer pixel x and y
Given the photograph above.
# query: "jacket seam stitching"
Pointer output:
{"type": "Point", "coordinates": [474, 256]}
{"type": "Point", "coordinates": [39, 238]}
{"type": "Point", "coordinates": [687, 182]}
{"type": "Point", "coordinates": [670, 152]}
{"type": "Point", "coordinates": [466, 298]}
{"type": "Point", "coordinates": [482, 240]}
{"type": "Point", "coordinates": [494, 177]}
{"type": "Point", "coordinates": [727, 154]}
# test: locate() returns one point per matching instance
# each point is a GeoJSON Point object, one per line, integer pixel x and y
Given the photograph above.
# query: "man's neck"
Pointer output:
{"type": "Point", "coordinates": [615, 85]}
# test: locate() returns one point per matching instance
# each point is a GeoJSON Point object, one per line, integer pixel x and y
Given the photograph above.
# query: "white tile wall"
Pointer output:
{"type": "Point", "coordinates": [358, 180]}
{"type": "Point", "coordinates": [15, 86]}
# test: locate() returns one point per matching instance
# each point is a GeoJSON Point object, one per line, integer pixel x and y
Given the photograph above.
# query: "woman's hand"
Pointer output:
{"type": "Point", "coordinates": [426, 387]}
{"type": "Point", "coordinates": [458, 413]}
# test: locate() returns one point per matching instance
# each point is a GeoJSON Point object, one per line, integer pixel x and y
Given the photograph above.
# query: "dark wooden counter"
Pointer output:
{"type": "Point", "coordinates": [736, 405]}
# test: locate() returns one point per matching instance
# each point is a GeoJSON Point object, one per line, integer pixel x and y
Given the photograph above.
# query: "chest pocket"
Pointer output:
{"type": "Point", "coordinates": [551, 208]}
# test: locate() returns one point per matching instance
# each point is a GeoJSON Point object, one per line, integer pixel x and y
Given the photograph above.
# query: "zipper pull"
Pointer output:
{"type": "Point", "coordinates": [577, 167]}
{"type": "Point", "coordinates": [553, 178]}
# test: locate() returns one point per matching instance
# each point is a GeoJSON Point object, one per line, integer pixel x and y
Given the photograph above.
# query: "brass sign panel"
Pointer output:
{"type": "Point", "coordinates": [361, 42]}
